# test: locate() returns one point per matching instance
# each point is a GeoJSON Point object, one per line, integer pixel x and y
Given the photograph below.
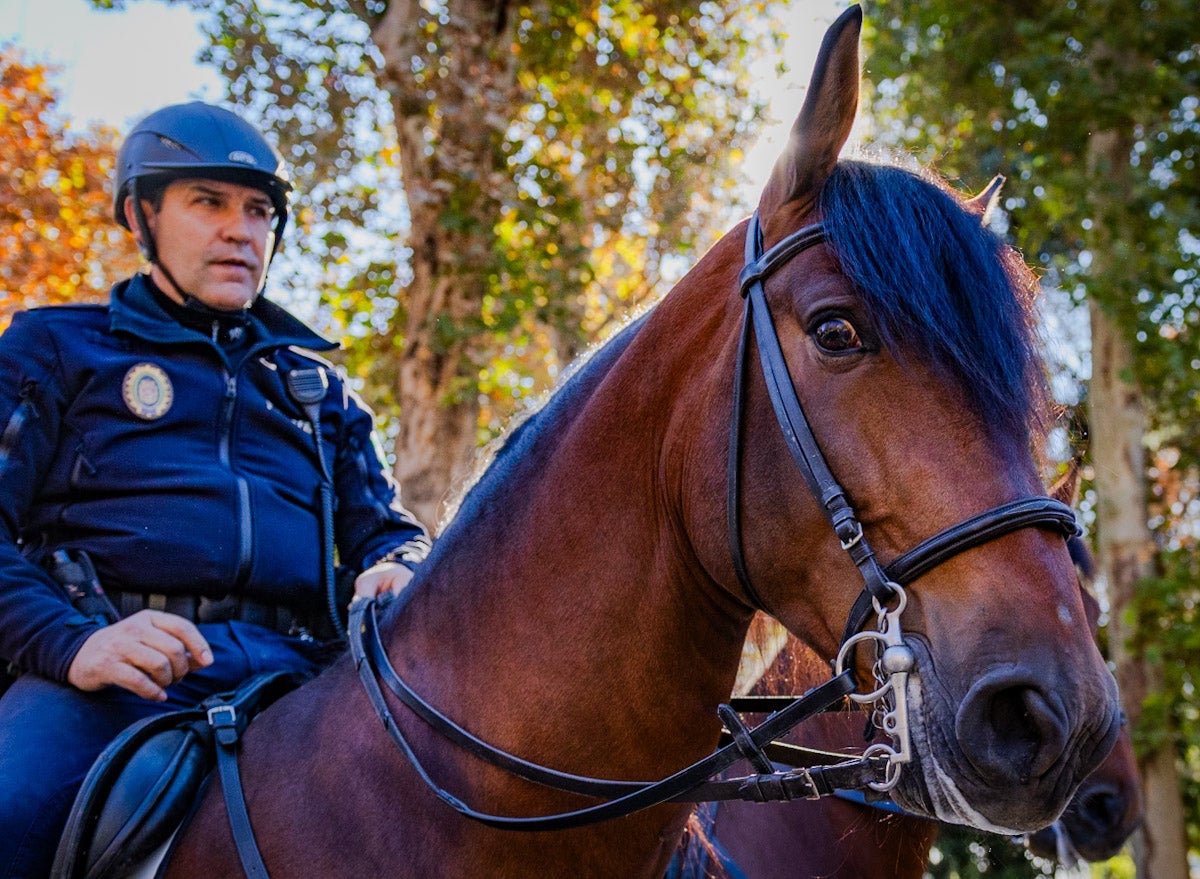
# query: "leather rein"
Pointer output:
{"type": "Point", "coordinates": [806, 773]}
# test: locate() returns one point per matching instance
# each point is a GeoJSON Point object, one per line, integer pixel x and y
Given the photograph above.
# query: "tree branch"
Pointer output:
{"type": "Point", "coordinates": [362, 11]}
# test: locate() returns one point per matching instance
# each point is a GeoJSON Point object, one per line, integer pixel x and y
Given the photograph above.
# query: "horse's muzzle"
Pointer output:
{"type": "Point", "coordinates": [1011, 729]}
{"type": "Point", "coordinates": [1017, 734]}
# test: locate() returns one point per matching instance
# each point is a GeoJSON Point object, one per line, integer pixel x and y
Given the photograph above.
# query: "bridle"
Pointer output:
{"type": "Point", "coordinates": [882, 585]}
{"type": "Point", "coordinates": [807, 773]}
{"type": "Point", "coordinates": [883, 595]}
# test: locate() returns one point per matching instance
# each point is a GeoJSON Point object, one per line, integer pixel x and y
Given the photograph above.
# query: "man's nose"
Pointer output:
{"type": "Point", "coordinates": [238, 225]}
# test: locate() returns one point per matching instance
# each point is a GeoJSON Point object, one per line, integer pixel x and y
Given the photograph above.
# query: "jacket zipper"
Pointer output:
{"type": "Point", "coordinates": [17, 421]}
{"type": "Point", "coordinates": [245, 521]}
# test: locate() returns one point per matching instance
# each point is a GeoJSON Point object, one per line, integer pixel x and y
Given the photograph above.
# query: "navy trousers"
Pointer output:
{"type": "Point", "coordinates": [50, 734]}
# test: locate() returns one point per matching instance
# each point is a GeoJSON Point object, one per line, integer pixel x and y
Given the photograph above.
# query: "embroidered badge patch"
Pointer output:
{"type": "Point", "coordinates": [147, 391]}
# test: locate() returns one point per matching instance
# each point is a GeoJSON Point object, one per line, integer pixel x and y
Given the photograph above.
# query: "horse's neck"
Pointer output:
{"type": "Point", "coordinates": [567, 584]}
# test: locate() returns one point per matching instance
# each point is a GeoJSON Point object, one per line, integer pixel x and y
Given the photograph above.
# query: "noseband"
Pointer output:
{"type": "Point", "coordinates": [882, 585]}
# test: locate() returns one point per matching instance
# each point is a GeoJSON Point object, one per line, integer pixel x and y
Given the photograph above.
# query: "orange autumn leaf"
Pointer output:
{"type": "Point", "coordinates": [58, 240]}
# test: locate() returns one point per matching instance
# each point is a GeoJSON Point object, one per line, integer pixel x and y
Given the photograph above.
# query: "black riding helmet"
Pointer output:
{"type": "Point", "coordinates": [197, 140]}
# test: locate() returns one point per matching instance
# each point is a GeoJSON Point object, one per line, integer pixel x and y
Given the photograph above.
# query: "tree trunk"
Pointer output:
{"type": "Point", "coordinates": [447, 162]}
{"type": "Point", "coordinates": [1125, 546]}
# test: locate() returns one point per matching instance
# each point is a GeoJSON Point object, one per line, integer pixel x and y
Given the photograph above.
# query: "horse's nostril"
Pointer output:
{"type": "Point", "coordinates": [1010, 730]}
{"type": "Point", "coordinates": [1101, 809]}
{"type": "Point", "coordinates": [1009, 720]}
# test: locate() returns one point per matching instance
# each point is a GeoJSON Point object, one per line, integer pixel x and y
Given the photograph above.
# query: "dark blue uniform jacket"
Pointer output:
{"type": "Point", "coordinates": [204, 482]}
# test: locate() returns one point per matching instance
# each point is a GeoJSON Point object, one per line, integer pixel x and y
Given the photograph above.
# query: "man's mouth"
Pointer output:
{"type": "Point", "coordinates": [233, 263]}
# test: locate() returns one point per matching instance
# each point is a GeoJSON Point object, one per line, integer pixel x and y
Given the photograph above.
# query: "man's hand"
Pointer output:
{"type": "Point", "coordinates": [380, 578]}
{"type": "Point", "coordinates": [144, 653]}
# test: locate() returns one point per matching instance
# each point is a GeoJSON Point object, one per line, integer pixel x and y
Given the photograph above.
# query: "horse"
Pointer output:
{"type": "Point", "coordinates": [848, 838]}
{"type": "Point", "coordinates": [585, 609]}
{"type": "Point", "coordinates": [1102, 815]}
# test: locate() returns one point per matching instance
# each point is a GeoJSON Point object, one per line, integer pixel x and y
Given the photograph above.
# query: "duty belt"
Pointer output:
{"type": "Point", "coordinates": [197, 609]}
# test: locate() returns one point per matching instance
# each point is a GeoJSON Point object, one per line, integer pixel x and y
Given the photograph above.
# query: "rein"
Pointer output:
{"type": "Point", "coordinates": [878, 769]}
{"type": "Point", "coordinates": [882, 585]}
{"type": "Point", "coordinates": [879, 766]}
{"type": "Point", "coordinates": [623, 797]}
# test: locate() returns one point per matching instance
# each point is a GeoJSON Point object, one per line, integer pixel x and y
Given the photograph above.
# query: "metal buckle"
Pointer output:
{"type": "Point", "coordinates": [803, 772]}
{"type": "Point", "coordinates": [853, 539]}
{"type": "Point", "coordinates": [228, 721]}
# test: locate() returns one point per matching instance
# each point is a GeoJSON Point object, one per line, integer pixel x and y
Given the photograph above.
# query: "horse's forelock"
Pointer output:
{"type": "Point", "coordinates": [938, 287]}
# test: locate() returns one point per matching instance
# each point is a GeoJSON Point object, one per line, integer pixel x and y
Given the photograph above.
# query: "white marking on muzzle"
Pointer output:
{"type": "Point", "coordinates": [949, 803]}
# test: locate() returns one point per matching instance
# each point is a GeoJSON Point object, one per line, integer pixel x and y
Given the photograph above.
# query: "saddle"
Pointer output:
{"type": "Point", "coordinates": [148, 780]}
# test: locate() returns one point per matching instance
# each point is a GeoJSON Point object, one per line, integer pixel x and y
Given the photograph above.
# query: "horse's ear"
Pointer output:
{"type": "Point", "coordinates": [983, 204]}
{"type": "Point", "coordinates": [1085, 564]}
{"type": "Point", "coordinates": [824, 123]}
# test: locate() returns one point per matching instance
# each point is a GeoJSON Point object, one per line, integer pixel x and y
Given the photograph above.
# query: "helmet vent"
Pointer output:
{"type": "Point", "coordinates": [243, 157]}
{"type": "Point", "coordinates": [170, 144]}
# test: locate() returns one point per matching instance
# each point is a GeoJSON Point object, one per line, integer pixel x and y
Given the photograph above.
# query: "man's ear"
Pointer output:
{"type": "Point", "coordinates": [132, 220]}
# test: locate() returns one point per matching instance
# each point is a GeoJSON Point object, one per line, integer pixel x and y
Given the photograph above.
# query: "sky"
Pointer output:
{"type": "Point", "coordinates": [119, 66]}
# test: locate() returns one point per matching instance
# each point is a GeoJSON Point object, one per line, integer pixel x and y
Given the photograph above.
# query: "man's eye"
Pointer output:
{"type": "Point", "coordinates": [836, 335]}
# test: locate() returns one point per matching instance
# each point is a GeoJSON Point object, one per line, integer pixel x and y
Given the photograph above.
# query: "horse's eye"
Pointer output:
{"type": "Point", "coordinates": [836, 335]}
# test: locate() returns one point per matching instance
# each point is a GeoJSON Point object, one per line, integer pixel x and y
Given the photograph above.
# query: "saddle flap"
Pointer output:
{"type": "Point", "coordinates": [150, 798]}
{"type": "Point", "coordinates": [144, 780]}
{"type": "Point", "coordinates": [144, 784]}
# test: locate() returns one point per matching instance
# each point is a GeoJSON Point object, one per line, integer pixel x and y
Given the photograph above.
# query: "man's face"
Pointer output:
{"type": "Point", "coordinates": [212, 236]}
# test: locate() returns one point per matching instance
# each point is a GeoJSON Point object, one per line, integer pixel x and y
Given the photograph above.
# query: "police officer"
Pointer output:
{"type": "Point", "coordinates": [182, 438]}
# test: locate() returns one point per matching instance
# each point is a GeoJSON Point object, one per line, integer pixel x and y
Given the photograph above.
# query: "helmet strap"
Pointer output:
{"type": "Point", "coordinates": [146, 239]}
{"type": "Point", "coordinates": [190, 302]}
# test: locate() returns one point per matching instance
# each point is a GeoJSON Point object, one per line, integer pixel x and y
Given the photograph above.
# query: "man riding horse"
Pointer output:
{"type": "Point", "coordinates": [176, 446]}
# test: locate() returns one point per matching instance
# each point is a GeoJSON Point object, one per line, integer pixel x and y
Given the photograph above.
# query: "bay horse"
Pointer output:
{"type": "Point", "coordinates": [586, 607]}
{"type": "Point", "coordinates": [845, 838]}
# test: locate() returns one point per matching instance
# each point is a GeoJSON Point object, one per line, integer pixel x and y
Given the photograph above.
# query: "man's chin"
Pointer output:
{"type": "Point", "coordinates": [226, 297]}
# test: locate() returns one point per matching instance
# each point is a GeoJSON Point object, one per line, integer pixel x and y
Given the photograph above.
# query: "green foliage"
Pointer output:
{"type": "Point", "coordinates": [963, 853]}
{"type": "Point", "coordinates": [1019, 89]}
{"type": "Point", "coordinates": [1167, 612]}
